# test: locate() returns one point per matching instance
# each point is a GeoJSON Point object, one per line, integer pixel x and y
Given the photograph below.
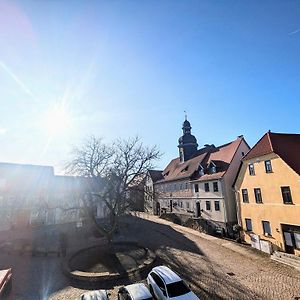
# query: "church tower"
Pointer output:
{"type": "Point", "coordinates": [187, 142]}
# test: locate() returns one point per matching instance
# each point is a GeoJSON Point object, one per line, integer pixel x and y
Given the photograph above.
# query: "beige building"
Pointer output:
{"type": "Point", "coordinates": [268, 193]}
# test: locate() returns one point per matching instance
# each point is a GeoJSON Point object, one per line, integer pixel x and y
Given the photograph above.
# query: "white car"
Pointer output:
{"type": "Point", "coordinates": [95, 295]}
{"type": "Point", "coordinates": [166, 284]}
{"type": "Point", "coordinates": [136, 291]}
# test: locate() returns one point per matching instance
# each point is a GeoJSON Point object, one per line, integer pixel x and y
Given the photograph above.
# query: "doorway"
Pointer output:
{"type": "Point", "coordinates": [158, 208]}
{"type": "Point", "coordinates": [291, 237]}
{"type": "Point", "coordinates": [198, 210]}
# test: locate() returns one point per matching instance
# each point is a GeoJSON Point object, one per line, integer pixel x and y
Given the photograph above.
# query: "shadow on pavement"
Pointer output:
{"type": "Point", "coordinates": [155, 235]}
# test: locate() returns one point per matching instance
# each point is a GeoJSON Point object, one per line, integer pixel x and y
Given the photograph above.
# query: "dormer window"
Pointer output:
{"type": "Point", "coordinates": [212, 168]}
{"type": "Point", "coordinates": [166, 174]}
{"type": "Point", "coordinates": [201, 170]}
{"type": "Point", "coordinates": [185, 169]}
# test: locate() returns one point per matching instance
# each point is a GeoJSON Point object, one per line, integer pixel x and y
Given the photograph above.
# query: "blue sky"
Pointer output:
{"type": "Point", "coordinates": [121, 68]}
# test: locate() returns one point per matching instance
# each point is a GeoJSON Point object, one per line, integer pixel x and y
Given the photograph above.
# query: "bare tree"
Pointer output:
{"type": "Point", "coordinates": [115, 170]}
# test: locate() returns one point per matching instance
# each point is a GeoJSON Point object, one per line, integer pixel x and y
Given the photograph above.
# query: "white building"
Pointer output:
{"type": "Point", "coordinates": [199, 182]}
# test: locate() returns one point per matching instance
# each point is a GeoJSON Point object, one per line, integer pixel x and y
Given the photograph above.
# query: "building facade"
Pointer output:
{"type": "Point", "coordinates": [199, 182]}
{"type": "Point", "coordinates": [31, 195]}
{"type": "Point", "coordinates": [268, 193]}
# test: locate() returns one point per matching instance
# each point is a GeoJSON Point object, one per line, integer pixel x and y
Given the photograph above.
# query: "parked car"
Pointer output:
{"type": "Point", "coordinates": [136, 291]}
{"type": "Point", "coordinates": [5, 281]}
{"type": "Point", "coordinates": [166, 284]}
{"type": "Point", "coordinates": [95, 295]}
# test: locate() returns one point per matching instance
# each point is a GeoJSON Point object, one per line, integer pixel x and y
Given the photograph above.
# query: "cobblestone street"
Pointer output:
{"type": "Point", "coordinates": [215, 268]}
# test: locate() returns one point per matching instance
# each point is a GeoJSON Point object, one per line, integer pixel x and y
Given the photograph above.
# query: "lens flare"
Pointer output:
{"type": "Point", "coordinates": [57, 121]}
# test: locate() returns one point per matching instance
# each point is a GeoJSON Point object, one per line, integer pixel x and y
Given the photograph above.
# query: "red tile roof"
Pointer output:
{"type": "Point", "coordinates": [155, 175]}
{"type": "Point", "coordinates": [285, 145]}
{"type": "Point", "coordinates": [221, 156]}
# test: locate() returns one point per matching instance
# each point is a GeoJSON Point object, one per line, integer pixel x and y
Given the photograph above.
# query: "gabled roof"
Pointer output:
{"type": "Point", "coordinates": [155, 175]}
{"type": "Point", "coordinates": [285, 145]}
{"type": "Point", "coordinates": [176, 170]}
{"type": "Point", "coordinates": [220, 156]}
{"type": "Point", "coordinates": [222, 159]}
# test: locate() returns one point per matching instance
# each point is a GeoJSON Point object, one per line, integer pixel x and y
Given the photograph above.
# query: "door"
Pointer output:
{"type": "Point", "coordinates": [198, 211]}
{"type": "Point", "coordinates": [291, 237]}
{"type": "Point", "coordinates": [288, 242]}
{"type": "Point", "coordinates": [157, 208]}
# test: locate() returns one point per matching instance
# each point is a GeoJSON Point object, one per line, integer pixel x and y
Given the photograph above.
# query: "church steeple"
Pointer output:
{"type": "Point", "coordinates": [187, 142]}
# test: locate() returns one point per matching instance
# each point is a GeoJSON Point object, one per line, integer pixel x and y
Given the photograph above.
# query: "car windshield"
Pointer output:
{"type": "Point", "coordinates": [177, 288]}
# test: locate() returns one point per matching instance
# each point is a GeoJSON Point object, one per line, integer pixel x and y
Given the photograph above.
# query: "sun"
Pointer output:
{"type": "Point", "coordinates": [57, 121]}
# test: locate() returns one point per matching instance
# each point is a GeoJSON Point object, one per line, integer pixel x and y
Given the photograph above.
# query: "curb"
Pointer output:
{"type": "Point", "coordinates": [91, 277]}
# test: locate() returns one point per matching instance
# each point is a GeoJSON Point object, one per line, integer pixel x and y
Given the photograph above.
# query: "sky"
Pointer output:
{"type": "Point", "coordinates": [116, 69]}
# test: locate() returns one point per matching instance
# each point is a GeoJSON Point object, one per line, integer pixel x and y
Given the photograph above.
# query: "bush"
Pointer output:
{"type": "Point", "coordinates": [171, 217]}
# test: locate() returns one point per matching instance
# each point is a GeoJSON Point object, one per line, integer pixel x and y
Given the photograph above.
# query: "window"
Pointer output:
{"type": "Point", "coordinates": [251, 170]}
{"type": "Point", "coordinates": [157, 280]}
{"type": "Point", "coordinates": [248, 224]}
{"type": "Point", "coordinates": [216, 187]}
{"type": "Point", "coordinates": [181, 205]}
{"type": "Point", "coordinates": [178, 288]}
{"type": "Point", "coordinates": [186, 185]}
{"type": "Point", "coordinates": [245, 195]}
{"type": "Point", "coordinates": [286, 195]}
{"type": "Point", "coordinates": [206, 187]}
{"type": "Point", "coordinates": [243, 153]}
{"type": "Point", "coordinates": [196, 188]}
{"type": "Point", "coordinates": [201, 171]}
{"type": "Point", "coordinates": [217, 205]}
{"type": "Point", "coordinates": [297, 239]}
{"type": "Point", "coordinates": [268, 166]}
{"type": "Point", "coordinates": [266, 227]}
{"type": "Point", "coordinates": [207, 205]}
{"type": "Point", "coordinates": [258, 197]}
{"type": "Point", "coordinates": [213, 169]}
{"type": "Point", "coordinates": [187, 205]}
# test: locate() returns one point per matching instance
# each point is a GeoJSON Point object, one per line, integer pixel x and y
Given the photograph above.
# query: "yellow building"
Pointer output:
{"type": "Point", "coordinates": [268, 193]}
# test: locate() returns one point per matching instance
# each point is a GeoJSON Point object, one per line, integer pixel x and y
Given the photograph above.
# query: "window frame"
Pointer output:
{"type": "Point", "coordinates": [263, 222]}
{"type": "Point", "coordinates": [284, 193]}
{"type": "Point", "coordinates": [207, 204]}
{"type": "Point", "coordinates": [251, 169]}
{"type": "Point", "coordinates": [244, 196]}
{"type": "Point", "coordinates": [196, 188]}
{"type": "Point", "coordinates": [218, 205]}
{"type": "Point", "coordinates": [247, 222]}
{"type": "Point", "coordinates": [257, 191]}
{"type": "Point", "coordinates": [215, 186]}
{"type": "Point", "coordinates": [206, 187]}
{"type": "Point", "coordinates": [268, 167]}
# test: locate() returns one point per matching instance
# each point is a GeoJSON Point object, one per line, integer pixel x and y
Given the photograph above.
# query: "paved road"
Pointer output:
{"type": "Point", "coordinates": [212, 268]}
{"type": "Point", "coordinates": [209, 265]}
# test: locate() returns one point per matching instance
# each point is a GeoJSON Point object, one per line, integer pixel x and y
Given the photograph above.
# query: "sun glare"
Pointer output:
{"type": "Point", "coordinates": [57, 121]}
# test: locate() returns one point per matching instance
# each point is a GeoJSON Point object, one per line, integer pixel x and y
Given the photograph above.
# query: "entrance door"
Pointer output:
{"type": "Point", "coordinates": [171, 205]}
{"type": "Point", "coordinates": [198, 211]}
{"type": "Point", "coordinates": [291, 237]}
{"type": "Point", "coordinates": [288, 242]}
